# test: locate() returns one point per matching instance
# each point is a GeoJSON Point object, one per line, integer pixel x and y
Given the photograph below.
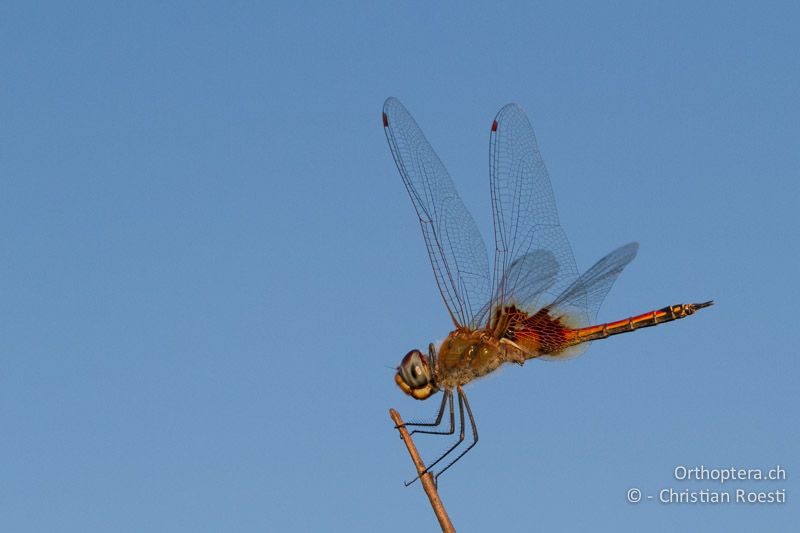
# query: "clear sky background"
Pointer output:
{"type": "Point", "coordinates": [209, 261]}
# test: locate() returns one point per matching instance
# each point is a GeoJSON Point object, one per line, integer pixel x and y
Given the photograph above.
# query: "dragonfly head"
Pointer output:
{"type": "Point", "coordinates": [415, 376]}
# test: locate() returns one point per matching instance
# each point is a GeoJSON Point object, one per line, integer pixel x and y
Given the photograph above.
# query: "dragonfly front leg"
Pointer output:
{"type": "Point", "coordinates": [447, 397]}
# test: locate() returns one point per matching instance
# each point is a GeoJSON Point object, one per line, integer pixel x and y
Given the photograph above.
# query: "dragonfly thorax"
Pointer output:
{"type": "Point", "coordinates": [468, 354]}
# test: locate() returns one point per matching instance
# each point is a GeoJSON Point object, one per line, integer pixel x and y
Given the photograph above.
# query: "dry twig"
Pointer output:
{"type": "Point", "coordinates": [426, 479]}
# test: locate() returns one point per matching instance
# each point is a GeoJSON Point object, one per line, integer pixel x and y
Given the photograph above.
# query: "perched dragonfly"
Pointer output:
{"type": "Point", "coordinates": [535, 305]}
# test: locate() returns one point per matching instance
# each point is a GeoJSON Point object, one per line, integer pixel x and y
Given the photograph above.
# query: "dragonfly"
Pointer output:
{"type": "Point", "coordinates": [534, 305]}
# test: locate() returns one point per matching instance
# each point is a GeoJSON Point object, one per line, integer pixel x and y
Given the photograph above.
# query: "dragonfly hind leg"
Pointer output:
{"type": "Point", "coordinates": [461, 396]}
{"type": "Point", "coordinates": [462, 401]}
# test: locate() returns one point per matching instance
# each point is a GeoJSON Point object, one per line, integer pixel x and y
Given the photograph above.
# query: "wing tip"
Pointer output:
{"type": "Point", "coordinates": [390, 102]}
{"type": "Point", "coordinates": [391, 106]}
{"type": "Point", "coordinates": [511, 108]}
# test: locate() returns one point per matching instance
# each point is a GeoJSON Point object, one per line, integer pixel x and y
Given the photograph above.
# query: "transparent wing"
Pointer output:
{"type": "Point", "coordinates": [455, 247]}
{"type": "Point", "coordinates": [533, 274]}
{"type": "Point", "coordinates": [589, 291]}
{"type": "Point", "coordinates": [525, 215]}
{"type": "Point", "coordinates": [581, 300]}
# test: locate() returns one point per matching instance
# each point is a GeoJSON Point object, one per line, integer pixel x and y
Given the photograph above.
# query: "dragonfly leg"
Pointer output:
{"type": "Point", "coordinates": [447, 396]}
{"type": "Point", "coordinates": [461, 399]}
{"type": "Point", "coordinates": [474, 433]}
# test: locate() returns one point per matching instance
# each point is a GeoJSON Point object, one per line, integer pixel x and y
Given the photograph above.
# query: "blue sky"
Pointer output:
{"type": "Point", "coordinates": [210, 261]}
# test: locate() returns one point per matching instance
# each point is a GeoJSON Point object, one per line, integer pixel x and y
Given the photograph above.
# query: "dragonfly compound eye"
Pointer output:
{"type": "Point", "coordinates": [413, 370]}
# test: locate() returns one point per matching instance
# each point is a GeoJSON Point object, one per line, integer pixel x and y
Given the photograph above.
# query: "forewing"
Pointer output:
{"type": "Point", "coordinates": [455, 247]}
{"type": "Point", "coordinates": [524, 210]}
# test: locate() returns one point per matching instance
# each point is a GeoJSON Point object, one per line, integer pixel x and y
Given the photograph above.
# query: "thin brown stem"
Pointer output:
{"type": "Point", "coordinates": [426, 478]}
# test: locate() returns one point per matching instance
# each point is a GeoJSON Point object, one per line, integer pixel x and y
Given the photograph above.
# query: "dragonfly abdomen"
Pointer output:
{"type": "Point", "coordinates": [645, 320]}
